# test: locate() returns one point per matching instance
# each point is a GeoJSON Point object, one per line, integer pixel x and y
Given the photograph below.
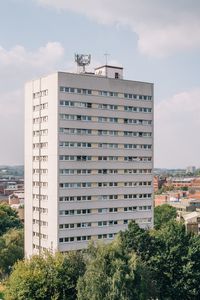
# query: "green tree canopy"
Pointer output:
{"type": "Point", "coordinates": [163, 214]}
{"type": "Point", "coordinates": [191, 271]}
{"type": "Point", "coordinates": [11, 250]}
{"type": "Point", "coordinates": [139, 264]}
{"type": "Point", "coordinates": [169, 260]}
{"type": "Point", "coordinates": [46, 277]}
{"type": "Point", "coordinates": [138, 240]}
{"type": "Point", "coordinates": [113, 274]}
{"type": "Point", "coordinates": [171, 257]}
{"type": "Point", "coordinates": [8, 219]}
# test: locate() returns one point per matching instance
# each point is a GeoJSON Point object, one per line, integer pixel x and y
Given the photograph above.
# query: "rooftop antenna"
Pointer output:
{"type": "Point", "coordinates": [106, 57]}
{"type": "Point", "coordinates": [82, 60]}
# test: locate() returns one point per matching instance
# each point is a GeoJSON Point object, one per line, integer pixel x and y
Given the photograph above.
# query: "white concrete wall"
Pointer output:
{"type": "Point", "coordinates": [28, 169]}
{"type": "Point", "coordinates": [95, 83]}
{"type": "Point", "coordinates": [47, 83]}
{"type": "Point", "coordinates": [98, 83]}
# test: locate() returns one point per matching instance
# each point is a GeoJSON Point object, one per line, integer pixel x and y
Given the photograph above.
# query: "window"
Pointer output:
{"type": "Point", "coordinates": [113, 120]}
{"type": "Point", "coordinates": [75, 185]}
{"type": "Point", "coordinates": [40, 94]}
{"type": "Point", "coordinates": [137, 97]}
{"type": "Point", "coordinates": [75, 212]}
{"type": "Point", "coordinates": [102, 210]}
{"type": "Point", "coordinates": [113, 222]}
{"type": "Point", "coordinates": [110, 235]}
{"type": "Point", "coordinates": [102, 223]}
{"type": "Point", "coordinates": [74, 158]}
{"type": "Point", "coordinates": [75, 198]}
{"type": "Point", "coordinates": [130, 208]}
{"type": "Point", "coordinates": [113, 209]}
{"type": "Point", "coordinates": [102, 236]}
{"type": "Point", "coordinates": [74, 145]}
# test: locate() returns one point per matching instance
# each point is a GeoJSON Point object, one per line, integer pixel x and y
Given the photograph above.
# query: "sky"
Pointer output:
{"type": "Point", "coordinates": [156, 41]}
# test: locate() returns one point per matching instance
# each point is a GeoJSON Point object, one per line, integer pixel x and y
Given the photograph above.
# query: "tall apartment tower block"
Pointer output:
{"type": "Point", "coordinates": [88, 158]}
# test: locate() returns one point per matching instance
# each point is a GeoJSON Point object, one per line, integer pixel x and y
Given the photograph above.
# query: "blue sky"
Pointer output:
{"type": "Point", "coordinates": [156, 41]}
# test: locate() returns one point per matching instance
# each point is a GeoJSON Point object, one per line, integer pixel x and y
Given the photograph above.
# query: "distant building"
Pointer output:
{"type": "Point", "coordinates": [155, 183]}
{"type": "Point", "coordinates": [190, 170]}
{"type": "Point", "coordinates": [179, 182]}
{"type": "Point", "coordinates": [160, 199]}
{"type": "Point", "coordinates": [3, 185]}
{"type": "Point", "coordinates": [169, 197]}
{"type": "Point", "coordinates": [194, 194]}
{"type": "Point", "coordinates": [10, 190]}
{"type": "Point", "coordinates": [186, 205]}
{"type": "Point", "coordinates": [191, 221]}
{"type": "Point", "coordinates": [196, 184]}
{"type": "Point", "coordinates": [14, 188]}
{"type": "Point", "coordinates": [158, 182]}
{"type": "Point", "coordinates": [17, 198]}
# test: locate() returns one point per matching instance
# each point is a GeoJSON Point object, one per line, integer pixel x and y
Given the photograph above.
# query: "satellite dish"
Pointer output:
{"type": "Point", "coordinates": [83, 60]}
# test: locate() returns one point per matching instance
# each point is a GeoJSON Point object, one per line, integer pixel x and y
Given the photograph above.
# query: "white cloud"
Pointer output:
{"type": "Point", "coordinates": [23, 64]}
{"type": "Point", "coordinates": [163, 27]}
{"type": "Point", "coordinates": [177, 127]}
{"type": "Point", "coordinates": [17, 66]}
{"type": "Point", "coordinates": [51, 52]}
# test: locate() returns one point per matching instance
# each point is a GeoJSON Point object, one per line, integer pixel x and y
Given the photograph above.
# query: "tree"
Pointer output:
{"type": "Point", "coordinates": [164, 189]}
{"type": "Point", "coordinates": [139, 264]}
{"type": "Point", "coordinates": [112, 274]}
{"type": "Point", "coordinates": [11, 250]}
{"type": "Point", "coordinates": [171, 258]}
{"type": "Point", "coordinates": [191, 271]}
{"type": "Point", "coordinates": [138, 240]}
{"type": "Point", "coordinates": [184, 188]}
{"type": "Point", "coordinates": [163, 214]}
{"type": "Point", "coordinates": [8, 219]}
{"type": "Point", "coordinates": [46, 277]}
{"type": "Point", "coordinates": [168, 262]}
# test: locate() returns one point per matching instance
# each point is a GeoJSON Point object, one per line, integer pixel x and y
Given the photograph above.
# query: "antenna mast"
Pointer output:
{"type": "Point", "coordinates": [82, 60]}
{"type": "Point", "coordinates": [106, 57]}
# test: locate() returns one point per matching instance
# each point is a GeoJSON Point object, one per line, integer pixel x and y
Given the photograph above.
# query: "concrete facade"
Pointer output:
{"type": "Point", "coordinates": [88, 159]}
